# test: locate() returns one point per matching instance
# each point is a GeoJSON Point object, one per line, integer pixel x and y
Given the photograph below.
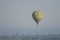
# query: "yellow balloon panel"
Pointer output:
{"type": "Point", "coordinates": [38, 15]}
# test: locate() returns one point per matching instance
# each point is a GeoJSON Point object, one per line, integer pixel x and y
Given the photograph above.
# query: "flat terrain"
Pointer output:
{"type": "Point", "coordinates": [30, 37]}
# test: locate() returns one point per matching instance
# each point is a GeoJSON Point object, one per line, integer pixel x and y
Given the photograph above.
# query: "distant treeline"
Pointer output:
{"type": "Point", "coordinates": [30, 37]}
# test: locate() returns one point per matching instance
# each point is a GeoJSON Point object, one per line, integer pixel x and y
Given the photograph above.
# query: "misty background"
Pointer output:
{"type": "Point", "coordinates": [16, 17]}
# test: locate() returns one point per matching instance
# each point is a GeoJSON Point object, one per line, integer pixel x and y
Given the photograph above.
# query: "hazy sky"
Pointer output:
{"type": "Point", "coordinates": [16, 17]}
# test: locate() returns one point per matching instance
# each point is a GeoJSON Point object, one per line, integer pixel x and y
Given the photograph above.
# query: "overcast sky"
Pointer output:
{"type": "Point", "coordinates": [16, 17]}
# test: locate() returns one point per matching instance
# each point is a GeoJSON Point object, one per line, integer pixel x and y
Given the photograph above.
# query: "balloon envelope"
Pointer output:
{"type": "Point", "coordinates": [37, 16]}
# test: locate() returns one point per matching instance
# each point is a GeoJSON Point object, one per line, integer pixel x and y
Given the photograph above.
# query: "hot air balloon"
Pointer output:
{"type": "Point", "coordinates": [37, 16]}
